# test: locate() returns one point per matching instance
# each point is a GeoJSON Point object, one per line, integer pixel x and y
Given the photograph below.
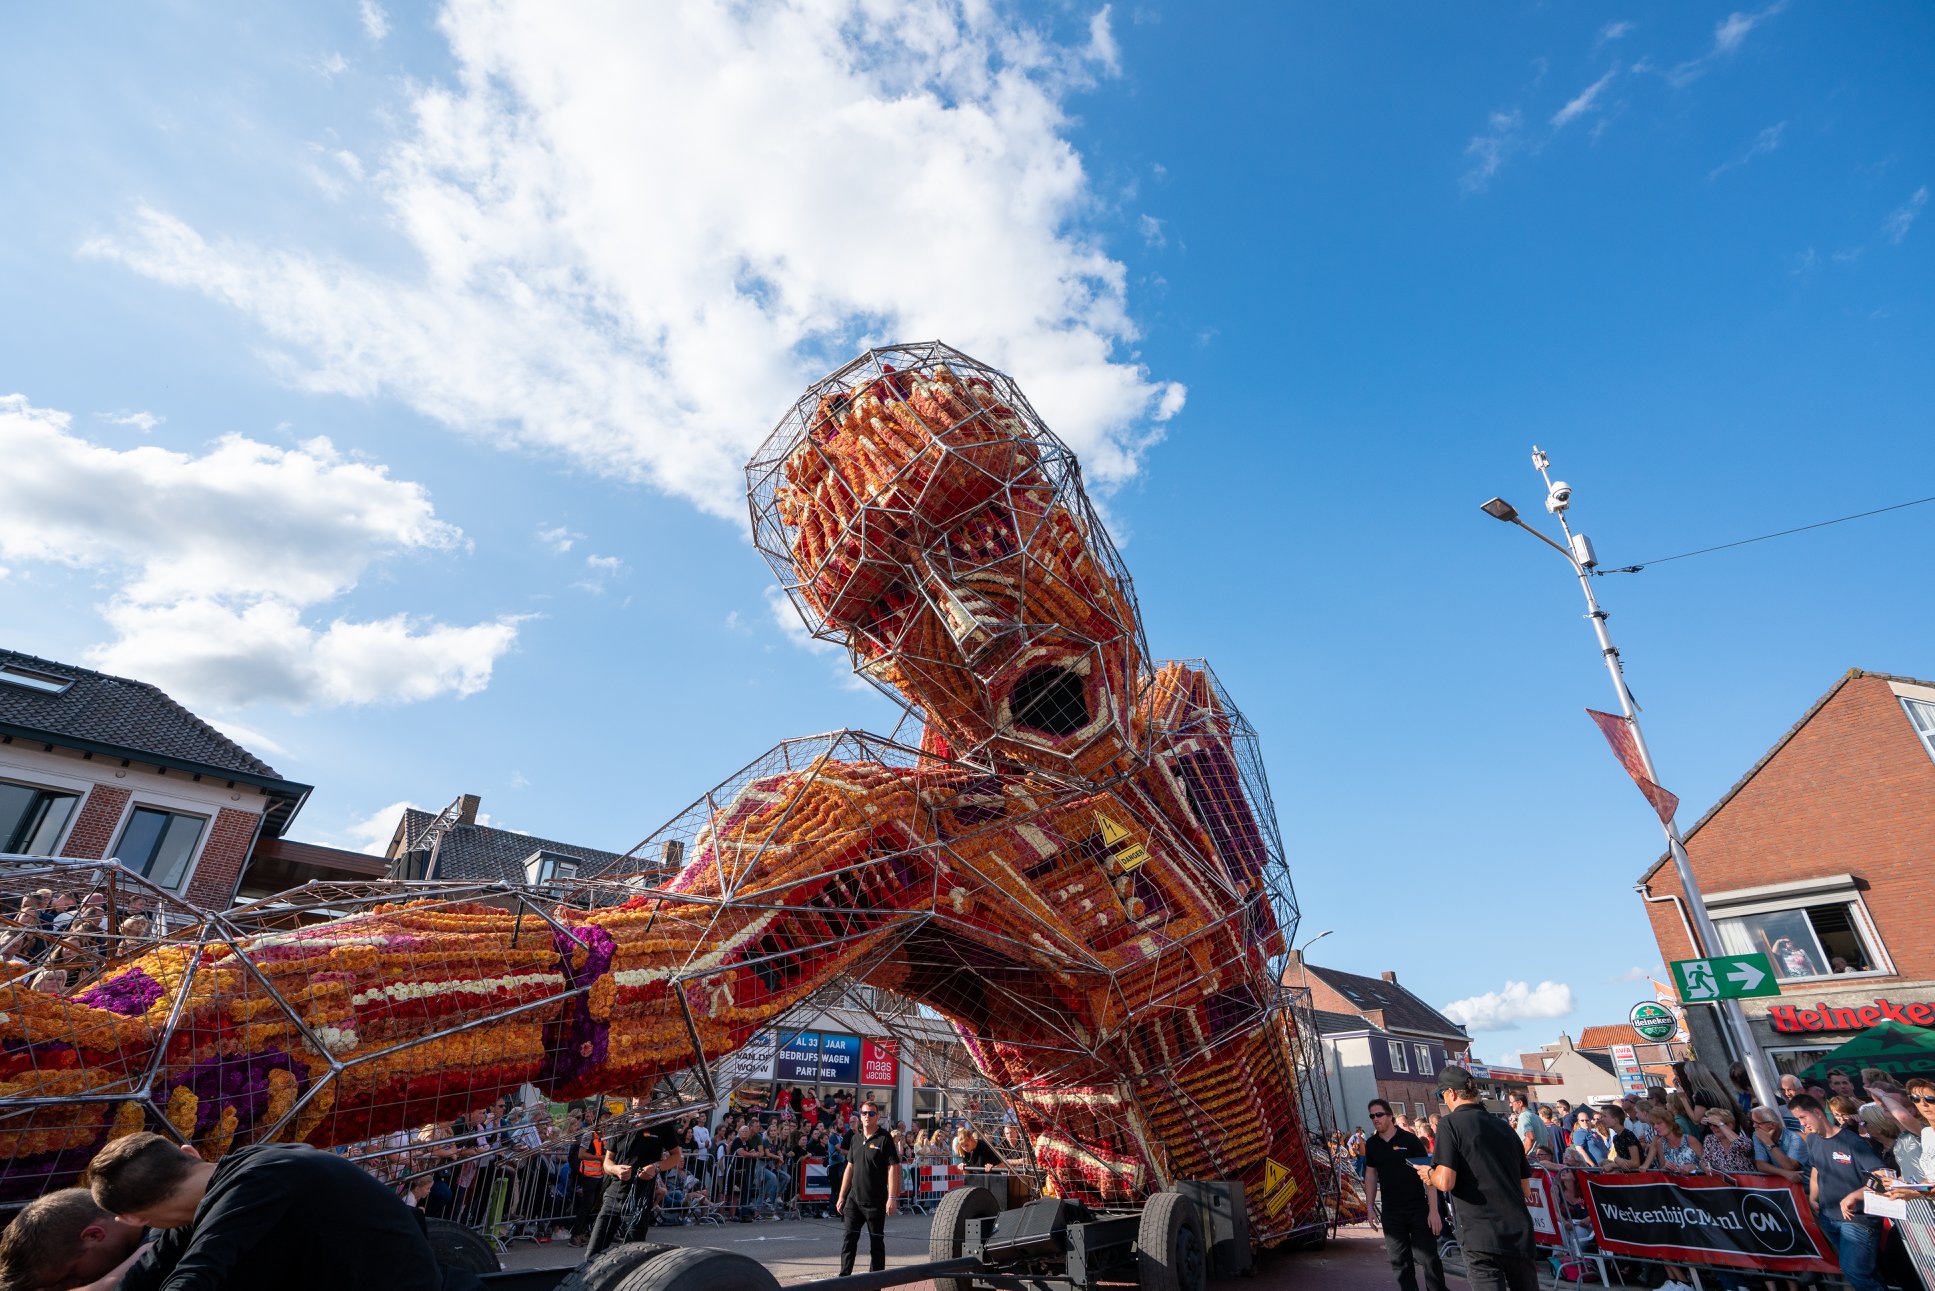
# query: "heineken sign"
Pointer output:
{"type": "Point", "coordinates": [1830, 1017]}
{"type": "Point", "coordinates": [1654, 1021]}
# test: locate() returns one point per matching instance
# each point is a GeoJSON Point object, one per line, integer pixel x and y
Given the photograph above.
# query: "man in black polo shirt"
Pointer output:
{"type": "Point", "coordinates": [869, 1190]}
{"type": "Point", "coordinates": [1411, 1222]}
{"type": "Point", "coordinates": [633, 1158]}
{"type": "Point", "coordinates": [1481, 1163]}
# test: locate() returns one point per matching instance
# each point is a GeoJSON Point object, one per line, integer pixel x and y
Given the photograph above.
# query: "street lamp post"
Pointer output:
{"type": "Point", "coordinates": [1578, 553]}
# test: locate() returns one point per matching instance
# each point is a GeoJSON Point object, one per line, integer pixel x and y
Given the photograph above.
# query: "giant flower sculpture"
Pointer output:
{"type": "Point", "coordinates": [1077, 866]}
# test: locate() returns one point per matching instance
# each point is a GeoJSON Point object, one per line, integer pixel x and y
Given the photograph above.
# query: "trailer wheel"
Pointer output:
{"type": "Point", "coordinates": [611, 1267]}
{"type": "Point", "coordinates": [700, 1268]}
{"type": "Point", "coordinates": [948, 1234]}
{"type": "Point", "coordinates": [1169, 1246]}
{"type": "Point", "coordinates": [457, 1247]}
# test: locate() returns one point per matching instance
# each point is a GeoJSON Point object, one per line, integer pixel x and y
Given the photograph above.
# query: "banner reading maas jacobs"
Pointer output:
{"type": "Point", "coordinates": [1745, 1221]}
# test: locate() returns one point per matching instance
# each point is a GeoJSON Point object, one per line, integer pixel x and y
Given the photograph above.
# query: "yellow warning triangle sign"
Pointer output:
{"type": "Point", "coordinates": [1279, 1186]}
{"type": "Point", "coordinates": [1113, 835]}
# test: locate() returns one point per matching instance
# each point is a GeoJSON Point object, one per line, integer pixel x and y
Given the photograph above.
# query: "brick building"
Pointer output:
{"type": "Point", "coordinates": [95, 766]}
{"type": "Point", "coordinates": [1379, 1040]}
{"type": "Point", "coordinates": [1820, 859]}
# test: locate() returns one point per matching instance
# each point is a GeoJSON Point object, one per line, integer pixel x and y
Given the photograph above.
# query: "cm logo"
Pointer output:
{"type": "Point", "coordinates": [1769, 1225]}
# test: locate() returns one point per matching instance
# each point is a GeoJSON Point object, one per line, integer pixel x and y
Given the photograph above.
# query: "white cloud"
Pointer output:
{"type": "Point", "coordinates": [376, 23]}
{"type": "Point", "coordinates": [219, 555]}
{"type": "Point", "coordinates": [331, 67]}
{"type": "Point", "coordinates": [604, 564]}
{"type": "Point", "coordinates": [1902, 218]}
{"type": "Point", "coordinates": [558, 538]}
{"type": "Point", "coordinates": [640, 231]}
{"type": "Point", "coordinates": [1101, 42]}
{"type": "Point", "coordinates": [1614, 31]}
{"type": "Point", "coordinates": [1582, 103]}
{"type": "Point", "coordinates": [519, 780]}
{"type": "Point", "coordinates": [263, 746]}
{"type": "Point", "coordinates": [1503, 1010]}
{"type": "Point", "coordinates": [373, 832]}
{"type": "Point", "coordinates": [1728, 36]}
{"type": "Point", "coordinates": [1489, 151]}
{"type": "Point", "coordinates": [141, 421]}
{"type": "Point", "coordinates": [1764, 142]}
{"type": "Point", "coordinates": [1151, 230]}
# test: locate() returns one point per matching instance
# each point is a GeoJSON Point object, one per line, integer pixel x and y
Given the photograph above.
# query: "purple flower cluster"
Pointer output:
{"type": "Point", "coordinates": [240, 1081]}
{"type": "Point", "coordinates": [127, 994]}
{"type": "Point", "coordinates": [577, 1042]}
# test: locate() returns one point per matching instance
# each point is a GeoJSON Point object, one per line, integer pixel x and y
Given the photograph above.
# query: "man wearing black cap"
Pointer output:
{"type": "Point", "coordinates": [1480, 1162]}
{"type": "Point", "coordinates": [1411, 1220]}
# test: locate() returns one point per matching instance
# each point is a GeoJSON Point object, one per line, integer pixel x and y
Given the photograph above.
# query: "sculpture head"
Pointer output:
{"type": "Point", "coordinates": [918, 512]}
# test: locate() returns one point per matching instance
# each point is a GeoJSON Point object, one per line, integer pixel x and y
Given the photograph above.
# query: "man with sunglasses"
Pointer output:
{"type": "Point", "coordinates": [1481, 1163]}
{"type": "Point", "coordinates": [869, 1190]}
{"type": "Point", "coordinates": [1411, 1222]}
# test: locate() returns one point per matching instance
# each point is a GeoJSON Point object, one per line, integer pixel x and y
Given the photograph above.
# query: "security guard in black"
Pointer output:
{"type": "Point", "coordinates": [869, 1190]}
{"type": "Point", "coordinates": [633, 1159]}
{"type": "Point", "coordinates": [1409, 1240]}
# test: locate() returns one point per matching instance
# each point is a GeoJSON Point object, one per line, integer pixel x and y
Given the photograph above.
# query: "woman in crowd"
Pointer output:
{"type": "Point", "coordinates": [1671, 1149]}
{"type": "Point", "coordinates": [1845, 1110]}
{"type": "Point", "coordinates": [1726, 1148]}
{"type": "Point", "coordinates": [1915, 1161]}
{"type": "Point", "coordinates": [1878, 1126]}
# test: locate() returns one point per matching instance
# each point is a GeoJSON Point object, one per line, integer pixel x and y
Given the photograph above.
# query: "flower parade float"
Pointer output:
{"type": "Point", "coordinates": [1075, 863]}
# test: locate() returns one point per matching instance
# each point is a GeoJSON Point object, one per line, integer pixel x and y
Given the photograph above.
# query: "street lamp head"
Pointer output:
{"type": "Point", "coordinates": [1499, 509]}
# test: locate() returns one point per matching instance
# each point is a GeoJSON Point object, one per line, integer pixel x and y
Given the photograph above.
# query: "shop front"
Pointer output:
{"type": "Point", "coordinates": [1797, 1033]}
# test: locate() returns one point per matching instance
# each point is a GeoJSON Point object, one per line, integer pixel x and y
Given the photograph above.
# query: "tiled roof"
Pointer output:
{"type": "Point", "coordinates": [497, 855]}
{"type": "Point", "coordinates": [1402, 1010]}
{"type": "Point", "coordinates": [1852, 674]}
{"type": "Point", "coordinates": [1606, 1037]}
{"type": "Point", "coordinates": [133, 718]}
{"type": "Point", "coordinates": [1329, 1023]}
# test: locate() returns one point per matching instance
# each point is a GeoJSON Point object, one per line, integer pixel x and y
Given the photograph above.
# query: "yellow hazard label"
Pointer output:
{"type": "Point", "coordinates": [1279, 1186]}
{"type": "Point", "coordinates": [1128, 854]}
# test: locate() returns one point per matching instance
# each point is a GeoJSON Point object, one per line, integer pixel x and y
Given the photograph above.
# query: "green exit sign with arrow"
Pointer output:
{"type": "Point", "coordinates": [1724, 977]}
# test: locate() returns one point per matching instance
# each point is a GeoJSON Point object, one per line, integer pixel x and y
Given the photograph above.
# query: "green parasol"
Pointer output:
{"type": "Point", "coordinates": [1901, 1051]}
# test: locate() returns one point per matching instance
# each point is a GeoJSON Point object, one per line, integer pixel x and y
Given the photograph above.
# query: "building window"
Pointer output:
{"type": "Point", "coordinates": [1424, 1060]}
{"type": "Point", "coordinates": [1420, 1107]}
{"type": "Point", "coordinates": [1921, 713]}
{"type": "Point", "coordinates": [548, 867]}
{"type": "Point", "coordinates": [31, 819]}
{"type": "Point", "coordinates": [1802, 941]}
{"type": "Point", "coordinates": [1397, 1057]}
{"type": "Point", "coordinates": [49, 683]}
{"type": "Point", "coordinates": [160, 845]}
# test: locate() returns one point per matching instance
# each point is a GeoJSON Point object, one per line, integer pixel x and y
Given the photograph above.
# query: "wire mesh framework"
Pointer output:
{"type": "Point", "coordinates": [1077, 867]}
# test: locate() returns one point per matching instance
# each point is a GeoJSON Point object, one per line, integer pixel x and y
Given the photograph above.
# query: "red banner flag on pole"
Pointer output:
{"type": "Point", "coordinates": [1619, 733]}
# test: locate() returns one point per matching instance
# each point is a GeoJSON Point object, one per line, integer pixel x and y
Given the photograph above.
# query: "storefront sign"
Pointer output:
{"type": "Point", "coordinates": [1743, 1221]}
{"type": "Point", "coordinates": [1832, 1017]}
{"type": "Point", "coordinates": [839, 1058]}
{"type": "Point", "coordinates": [879, 1064]}
{"type": "Point", "coordinates": [799, 1057]}
{"type": "Point", "coordinates": [1626, 1064]}
{"type": "Point", "coordinates": [1653, 1020]}
{"type": "Point", "coordinates": [753, 1062]}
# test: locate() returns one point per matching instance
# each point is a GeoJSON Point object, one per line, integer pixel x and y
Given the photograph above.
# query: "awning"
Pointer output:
{"type": "Point", "coordinates": [1901, 1051]}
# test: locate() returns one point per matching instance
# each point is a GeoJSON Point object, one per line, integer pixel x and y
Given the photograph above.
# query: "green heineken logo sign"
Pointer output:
{"type": "Point", "coordinates": [1654, 1021]}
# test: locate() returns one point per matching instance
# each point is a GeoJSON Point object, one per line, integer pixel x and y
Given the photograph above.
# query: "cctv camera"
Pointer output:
{"type": "Point", "coordinates": [1559, 498]}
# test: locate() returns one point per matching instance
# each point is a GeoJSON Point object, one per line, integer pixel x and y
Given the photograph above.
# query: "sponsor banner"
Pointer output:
{"type": "Point", "coordinates": [813, 1183]}
{"type": "Point", "coordinates": [1545, 1210]}
{"type": "Point", "coordinates": [839, 1058]}
{"type": "Point", "coordinates": [1744, 1221]}
{"type": "Point", "coordinates": [799, 1057]}
{"type": "Point", "coordinates": [1626, 1063]}
{"type": "Point", "coordinates": [1832, 1017]}
{"type": "Point", "coordinates": [879, 1062]}
{"type": "Point", "coordinates": [753, 1061]}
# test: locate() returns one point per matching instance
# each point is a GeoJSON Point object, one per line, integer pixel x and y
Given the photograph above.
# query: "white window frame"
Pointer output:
{"type": "Point", "coordinates": [79, 795]}
{"type": "Point", "coordinates": [1397, 1057]}
{"type": "Point", "coordinates": [1797, 895]}
{"type": "Point", "coordinates": [1422, 1052]}
{"type": "Point", "coordinates": [1921, 718]}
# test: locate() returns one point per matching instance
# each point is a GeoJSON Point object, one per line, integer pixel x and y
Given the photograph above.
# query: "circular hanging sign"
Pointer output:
{"type": "Point", "coordinates": [1654, 1021]}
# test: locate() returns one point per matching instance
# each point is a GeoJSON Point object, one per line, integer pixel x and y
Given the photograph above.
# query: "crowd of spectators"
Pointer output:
{"type": "Point", "coordinates": [516, 1171]}
{"type": "Point", "coordinates": [57, 939]}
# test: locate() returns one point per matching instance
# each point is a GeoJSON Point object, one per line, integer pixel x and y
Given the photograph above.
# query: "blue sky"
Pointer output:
{"type": "Point", "coordinates": [384, 372]}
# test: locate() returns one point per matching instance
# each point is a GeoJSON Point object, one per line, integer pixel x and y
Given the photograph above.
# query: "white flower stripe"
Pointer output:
{"type": "Point", "coordinates": [476, 986]}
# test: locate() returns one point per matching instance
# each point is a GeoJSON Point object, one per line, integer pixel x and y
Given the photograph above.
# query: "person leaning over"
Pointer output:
{"type": "Point", "coordinates": [280, 1215]}
{"type": "Point", "coordinates": [1411, 1222]}
{"type": "Point", "coordinates": [63, 1240]}
{"type": "Point", "coordinates": [1623, 1150]}
{"type": "Point", "coordinates": [1480, 1163]}
{"type": "Point", "coordinates": [869, 1190]}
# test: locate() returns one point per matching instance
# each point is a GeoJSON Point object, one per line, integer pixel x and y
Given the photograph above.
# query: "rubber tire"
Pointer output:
{"type": "Point", "coordinates": [457, 1247]}
{"type": "Point", "coordinates": [1170, 1255]}
{"type": "Point", "coordinates": [701, 1268]}
{"type": "Point", "coordinates": [612, 1266]}
{"type": "Point", "coordinates": [948, 1233]}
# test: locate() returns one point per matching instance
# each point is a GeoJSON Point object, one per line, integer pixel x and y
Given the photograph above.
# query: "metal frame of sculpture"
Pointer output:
{"type": "Point", "coordinates": [1076, 865]}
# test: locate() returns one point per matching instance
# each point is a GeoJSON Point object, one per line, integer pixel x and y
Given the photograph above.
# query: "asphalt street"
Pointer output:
{"type": "Point", "coordinates": [801, 1249]}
